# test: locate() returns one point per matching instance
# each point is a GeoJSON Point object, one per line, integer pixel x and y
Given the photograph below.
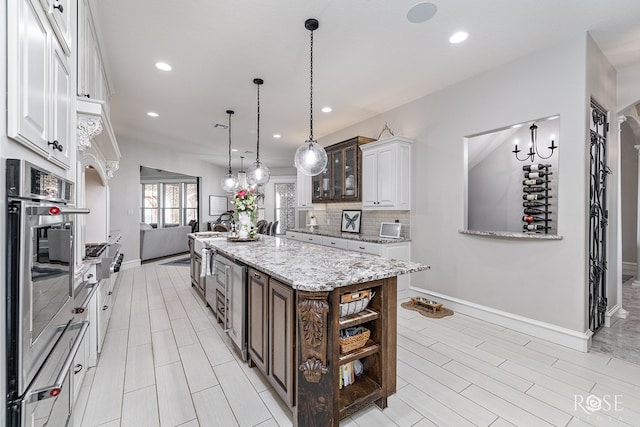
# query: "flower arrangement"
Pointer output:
{"type": "Point", "coordinates": [245, 201]}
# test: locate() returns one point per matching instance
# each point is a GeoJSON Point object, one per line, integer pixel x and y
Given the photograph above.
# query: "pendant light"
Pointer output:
{"type": "Point", "coordinates": [258, 173]}
{"type": "Point", "coordinates": [242, 176]}
{"type": "Point", "coordinates": [311, 158]}
{"type": "Point", "coordinates": [229, 182]}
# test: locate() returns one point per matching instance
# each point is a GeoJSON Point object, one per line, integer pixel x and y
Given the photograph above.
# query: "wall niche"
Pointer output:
{"type": "Point", "coordinates": [500, 196]}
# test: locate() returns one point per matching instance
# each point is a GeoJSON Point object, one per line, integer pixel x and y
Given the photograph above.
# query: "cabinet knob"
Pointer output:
{"type": "Point", "coordinates": [59, 7]}
{"type": "Point", "coordinates": [110, 293]}
{"type": "Point", "coordinates": [105, 307]}
{"type": "Point", "coordinates": [361, 247]}
{"type": "Point", "coordinates": [87, 95]}
{"type": "Point", "coordinates": [77, 368]}
{"type": "Point", "coordinates": [256, 275]}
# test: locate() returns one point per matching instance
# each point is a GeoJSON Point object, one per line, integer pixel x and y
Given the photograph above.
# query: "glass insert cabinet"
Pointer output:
{"type": "Point", "coordinates": [341, 180]}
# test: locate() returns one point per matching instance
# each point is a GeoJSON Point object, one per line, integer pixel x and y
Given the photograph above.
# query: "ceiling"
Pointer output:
{"type": "Point", "coordinates": [368, 59]}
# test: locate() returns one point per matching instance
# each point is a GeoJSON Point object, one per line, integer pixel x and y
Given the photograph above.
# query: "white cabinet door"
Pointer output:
{"type": "Point", "coordinates": [59, 13]}
{"type": "Point", "coordinates": [303, 191]}
{"type": "Point", "coordinates": [91, 81]}
{"type": "Point", "coordinates": [369, 178]}
{"type": "Point", "coordinates": [386, 174]}
{"type": "Point", "coordinates": [29, 45]}
{"type": "Point", "coordinates": [61, 106]}
{"type": "Point", "coordinates": [39, 79]}
{"type": "Point", "coordinates": [79, 368]}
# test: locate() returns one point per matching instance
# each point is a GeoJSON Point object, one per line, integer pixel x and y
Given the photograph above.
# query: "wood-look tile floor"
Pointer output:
{"type": "Point", "coordinates": [166, 362]}
{"type": "Point", "coordinates": [622, 339]}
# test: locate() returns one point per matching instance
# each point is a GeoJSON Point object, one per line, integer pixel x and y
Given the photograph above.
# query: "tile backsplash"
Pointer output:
{"type": "Point", "coordinates": [329, 219]}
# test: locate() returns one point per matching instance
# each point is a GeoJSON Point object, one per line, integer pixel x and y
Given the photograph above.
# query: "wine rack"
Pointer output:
{"type": "Point", "coordinates": [536, 199]}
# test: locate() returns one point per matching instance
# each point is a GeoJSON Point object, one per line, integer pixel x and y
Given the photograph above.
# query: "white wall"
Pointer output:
{"type": "Point", "coordinates": [125, 188]}
{"type": "Point", "coordinates": [628, 86]}
{"type": "Point", "coordinates": [541, 280]}
{"type": "Point", "coordinates": [629, 194]}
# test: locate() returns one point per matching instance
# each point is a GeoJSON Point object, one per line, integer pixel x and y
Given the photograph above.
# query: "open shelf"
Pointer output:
{"type": "Point", "coordinates": [364, 316]}
{"type": "Point", "coordinates": [369, 348]}
{"type": "Point", "coordinates": [363, 390]}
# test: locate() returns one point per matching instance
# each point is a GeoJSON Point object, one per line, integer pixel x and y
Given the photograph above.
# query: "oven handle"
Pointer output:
{"type": "Point", "coordinates": [56, 210]}
{"type": "Point", "coordinates": [55, 389]}
{"type": "Point", "coordinates": [83, 307]}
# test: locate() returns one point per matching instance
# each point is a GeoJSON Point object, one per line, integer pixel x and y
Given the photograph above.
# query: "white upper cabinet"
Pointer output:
{"type": "Point", "coordinates": [91, 82]}
{"type": "Point", "coordinates": [303, 191]}
{"type": "Point", "coordinates": [59, 14]}
{"type": "Point", "coordinates": [386, 174]}
{"type": "Point", "coordinates": [39, 84]}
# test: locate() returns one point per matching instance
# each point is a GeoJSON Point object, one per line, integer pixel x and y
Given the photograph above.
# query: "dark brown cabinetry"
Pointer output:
{"type": "Point", "coordinates": [271, 332]}
{"type": "Point", "coordinates": [341, 180]}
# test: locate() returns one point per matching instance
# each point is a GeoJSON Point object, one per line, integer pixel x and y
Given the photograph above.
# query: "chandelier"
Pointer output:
{"type": "Point", "coordinates": [533, 147]}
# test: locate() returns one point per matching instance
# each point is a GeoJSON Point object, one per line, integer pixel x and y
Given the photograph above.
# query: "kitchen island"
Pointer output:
{"type": "Point", "coordinates": [294, 296]}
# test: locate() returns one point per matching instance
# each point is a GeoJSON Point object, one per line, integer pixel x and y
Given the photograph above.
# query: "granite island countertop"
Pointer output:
{"type": "Point", "coordinates": [350, 236]}
{"type": "Point", "coordinates": [311, 267]}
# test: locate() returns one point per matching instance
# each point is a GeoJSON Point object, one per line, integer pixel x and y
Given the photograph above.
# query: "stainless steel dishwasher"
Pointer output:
{"type": "Point", "coordinates": [227, 297]}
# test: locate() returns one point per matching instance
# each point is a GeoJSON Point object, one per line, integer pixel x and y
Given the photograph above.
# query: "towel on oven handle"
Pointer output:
{"type": "Point", "coordinates": [208, 262]}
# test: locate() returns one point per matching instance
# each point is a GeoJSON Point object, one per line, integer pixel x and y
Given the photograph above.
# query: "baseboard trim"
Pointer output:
{"type": "Point", "coordinates": [629, 268]}
{"type": "Point", "coordinates": [580, 341]}
{"type": "Point", "coordinates": [130, 264]}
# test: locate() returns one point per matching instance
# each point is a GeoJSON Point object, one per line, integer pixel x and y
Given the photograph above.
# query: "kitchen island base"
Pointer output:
{"type": "Point", "coordinates": [311, 386]}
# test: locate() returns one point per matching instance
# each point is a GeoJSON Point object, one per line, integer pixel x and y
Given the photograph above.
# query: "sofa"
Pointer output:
{"type": "Point", "coordinates": [161, 242]}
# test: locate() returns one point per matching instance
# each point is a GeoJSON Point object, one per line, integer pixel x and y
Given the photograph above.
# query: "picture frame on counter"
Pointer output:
{"type": "Point", "coordinates": [351, 220]}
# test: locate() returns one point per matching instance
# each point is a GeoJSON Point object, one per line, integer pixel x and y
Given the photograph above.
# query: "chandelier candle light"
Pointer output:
{"type": "Point", "coordinates": [229, 181]}
{"type": "Point", "coordinates": [311, 157]}
{"type": "Point", "coordinates": [258, 173]}
{"type": "Point", "coordinates": [533, 147]}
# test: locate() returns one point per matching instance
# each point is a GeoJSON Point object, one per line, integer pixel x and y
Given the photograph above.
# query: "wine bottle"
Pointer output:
{"type": "Point", "coordinates": [534, 204]}
{"type": "Point", "coordinates": [530, 218]}
{"type": "Point", "coordinates": [536, 181]}
{"type": "Point", "coordinates": [534, 211]}
{"type": "Point", "coordinates": [539, 174]}
{"type": "Point", "coordinates": [534, 189]}
{"type": "Point", "coordinates": [534, 168]}
{"type": "Point", "coordinates": [534, 227]}
{"type": "Point", "coordinates": [535, 197]}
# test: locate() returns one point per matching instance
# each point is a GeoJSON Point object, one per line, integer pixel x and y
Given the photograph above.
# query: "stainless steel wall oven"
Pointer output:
{"type": "Point", "coordinates": [42, 337]}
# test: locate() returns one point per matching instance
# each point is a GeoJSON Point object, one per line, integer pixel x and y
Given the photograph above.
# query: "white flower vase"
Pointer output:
{"type": "Point", "coordinates": [245, 225]}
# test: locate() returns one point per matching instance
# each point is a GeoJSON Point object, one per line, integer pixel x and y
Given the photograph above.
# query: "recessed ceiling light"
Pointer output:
{"type": "Point", "coordinates": [152, 114]}
{"type": "Point", "coordinates": [163, 66]}
{"type": "Point", "coordinates": [235, 150]}
{"type": "Point", "coordinates": [277, 135]}
{"type": "Point", "coordinates": [421, 12]}
{"type": "Point", "coordinates": [326, 109]}
{"type": "Point", "coordinates": [458, 37]}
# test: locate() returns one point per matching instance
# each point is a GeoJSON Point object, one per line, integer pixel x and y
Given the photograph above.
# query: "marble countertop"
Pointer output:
{"type": "Point", "coordinates": [310, 267]}
{"type": "Point", "coordinates": [350, 236]}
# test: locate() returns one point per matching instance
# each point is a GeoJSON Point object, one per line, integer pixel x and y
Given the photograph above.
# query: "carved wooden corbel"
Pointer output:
{"type": "Point", "coordinates": [312, 314]}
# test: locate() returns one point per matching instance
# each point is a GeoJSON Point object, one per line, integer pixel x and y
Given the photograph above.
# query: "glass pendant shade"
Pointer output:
{"type": "Point", "coordinates": [310, 158]}
{"type": "Point", "coordinates": [229, 183]}
{"type": "Point", "coordinates": [258, 174]}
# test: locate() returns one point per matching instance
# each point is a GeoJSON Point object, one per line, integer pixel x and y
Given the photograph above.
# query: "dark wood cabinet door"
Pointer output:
{"type": "Point", "coordinates": [258, 319]}
{"type": "Point", "coordinates": [281, 340]}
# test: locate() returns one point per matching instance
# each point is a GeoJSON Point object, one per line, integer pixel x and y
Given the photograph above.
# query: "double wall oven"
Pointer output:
{"type": "Point", "coordinates": [43, 330]}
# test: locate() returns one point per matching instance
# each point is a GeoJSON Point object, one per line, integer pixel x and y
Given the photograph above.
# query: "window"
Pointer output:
{"type": "Point", "coordinates": [169, 204]}
{"type": "Point", "coordinates": [285, 207]}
